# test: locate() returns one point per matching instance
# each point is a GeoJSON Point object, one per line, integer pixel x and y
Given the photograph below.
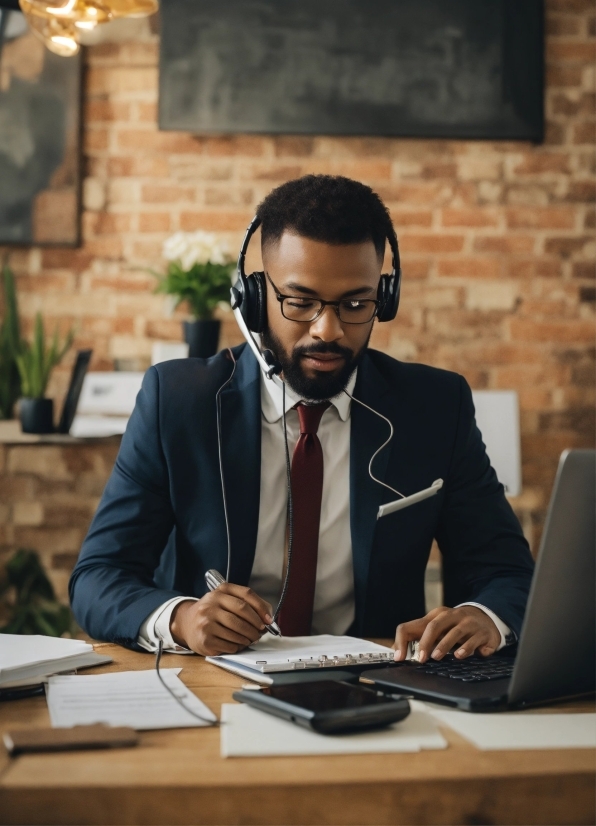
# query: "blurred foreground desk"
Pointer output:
{"type": "Point", "coordinates": [177, 777]}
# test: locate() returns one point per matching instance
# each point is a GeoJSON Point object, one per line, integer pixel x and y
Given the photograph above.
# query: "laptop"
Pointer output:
{"type": "Point", "coordinates": [556, 654]}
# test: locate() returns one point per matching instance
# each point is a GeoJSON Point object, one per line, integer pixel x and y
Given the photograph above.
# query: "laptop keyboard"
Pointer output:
{"type": "Point", "coordinates": [468, 671]}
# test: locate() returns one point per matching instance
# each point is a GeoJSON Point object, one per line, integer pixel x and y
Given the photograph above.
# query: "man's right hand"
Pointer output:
{"type": "Point", "coordinates": [224, 621]}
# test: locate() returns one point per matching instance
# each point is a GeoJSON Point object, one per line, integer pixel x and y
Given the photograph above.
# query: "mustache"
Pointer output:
{"type": "Point", "coordinates": [330, 348]}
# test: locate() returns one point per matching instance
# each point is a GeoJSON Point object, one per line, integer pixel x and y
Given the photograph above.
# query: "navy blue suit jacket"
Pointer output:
{"type": "Point", "coordinates": [160, 524]}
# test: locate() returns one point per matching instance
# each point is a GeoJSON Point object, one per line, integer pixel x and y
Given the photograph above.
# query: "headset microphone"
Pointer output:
{"type": "Point", "coordinates": [266, 359]}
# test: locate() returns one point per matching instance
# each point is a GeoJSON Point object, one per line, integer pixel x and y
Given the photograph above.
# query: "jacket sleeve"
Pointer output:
{"type": "Point", "coordinates": [486, 558]}
{"type": "Point", "coordinates": [111, 588]}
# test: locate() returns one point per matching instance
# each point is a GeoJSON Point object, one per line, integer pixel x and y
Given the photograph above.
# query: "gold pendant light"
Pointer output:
{"type": "Point", "coordinates": [56, 22]}
{"type": "Point", "coordinates": [133, 8]}
{"type": "Point", "coordinates": [59, 36]}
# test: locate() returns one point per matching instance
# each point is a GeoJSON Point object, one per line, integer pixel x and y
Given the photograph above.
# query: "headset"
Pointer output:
{"type": "Point", "coordinates": [248, 298]}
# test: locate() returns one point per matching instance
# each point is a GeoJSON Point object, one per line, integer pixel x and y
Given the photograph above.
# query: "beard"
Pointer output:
{"type": "Point", "coordinates": [323, 385]}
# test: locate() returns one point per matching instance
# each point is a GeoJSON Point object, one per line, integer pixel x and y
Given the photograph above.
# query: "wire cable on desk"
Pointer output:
{"type": "Point", "coordinates": [174, 695]}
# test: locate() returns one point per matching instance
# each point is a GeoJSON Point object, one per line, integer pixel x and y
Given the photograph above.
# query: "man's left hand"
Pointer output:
{"type": "Point", "coordinates": [442, 629]}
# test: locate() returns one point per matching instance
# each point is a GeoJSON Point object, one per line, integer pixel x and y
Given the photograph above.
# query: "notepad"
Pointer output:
{"type": "Point", "coordinates": [272, 654]}
{"type": "Point", "coordinates": [28, 659]}
{"type": "Point", "coordinates": [127, 698]}
{"type": "Point", "coordinates": [247, 731]}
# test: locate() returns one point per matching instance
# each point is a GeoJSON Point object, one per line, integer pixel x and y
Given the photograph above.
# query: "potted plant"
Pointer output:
{"type": "Point", "coordinates": [10, 339]}
{"type": "Point", "coordinates": [199, 273]}
{"type": "Point", "coordinates": [35, 362]}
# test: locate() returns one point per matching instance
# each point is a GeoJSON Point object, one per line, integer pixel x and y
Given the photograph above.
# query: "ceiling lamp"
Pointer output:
{"type": "Point", "coordinates": [58, 22]}
{"type": "Point", "coordinates": [133, 8]}
{"type": "Point", "coordinates": [59, 36]}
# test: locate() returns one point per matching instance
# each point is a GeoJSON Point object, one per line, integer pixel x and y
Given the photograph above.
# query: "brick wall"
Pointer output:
{"type": "Point", "coordinates": [497, 239]}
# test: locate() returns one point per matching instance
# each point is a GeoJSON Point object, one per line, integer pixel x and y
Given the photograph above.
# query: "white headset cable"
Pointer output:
{"type": "Point", "coordinates": [378, 450]}
{"type": "Point", "coordinates": [221, 473]}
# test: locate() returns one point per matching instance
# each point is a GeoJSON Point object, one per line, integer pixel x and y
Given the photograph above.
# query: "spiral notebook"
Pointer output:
{"type": "Point", "coordinates": [274, 654]}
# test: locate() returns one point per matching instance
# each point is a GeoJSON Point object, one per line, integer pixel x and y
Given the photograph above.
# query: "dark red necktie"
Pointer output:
{"type": "Point", "coordinates": [295, 618]}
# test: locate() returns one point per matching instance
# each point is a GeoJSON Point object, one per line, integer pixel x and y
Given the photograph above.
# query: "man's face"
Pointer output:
{"type": "Point", "coordinates": [318, 357]}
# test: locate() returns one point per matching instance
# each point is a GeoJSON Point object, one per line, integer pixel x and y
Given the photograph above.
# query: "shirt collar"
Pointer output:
{"type": "Point", "coordinates": [272, 398]}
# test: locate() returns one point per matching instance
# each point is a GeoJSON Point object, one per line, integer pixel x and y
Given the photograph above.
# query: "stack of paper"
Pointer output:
{"type": "Point", "coordinates": [519, 729]}
{"type": "Point", "coordinates": [128, 698]}
{"type": "Point", "coordinates": [247, 731]}
{"type": "Point", "coordinates": [28, 659]}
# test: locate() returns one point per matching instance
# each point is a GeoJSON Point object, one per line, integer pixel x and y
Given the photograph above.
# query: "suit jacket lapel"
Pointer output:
{"type": "Point", "coordinates": [241, 459]}
{"type": "Point", "coordinates": [367, 434]}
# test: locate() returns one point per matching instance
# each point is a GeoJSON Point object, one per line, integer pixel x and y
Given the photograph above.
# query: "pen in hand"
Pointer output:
{"type": "Point", "coordinates": [214, 579]}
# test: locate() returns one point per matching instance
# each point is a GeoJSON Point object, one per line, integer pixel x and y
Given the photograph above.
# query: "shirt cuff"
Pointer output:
{"type": "Point", "coordinates": [157, 627]}
{"type": "Point", "coordinates": [503, 629]}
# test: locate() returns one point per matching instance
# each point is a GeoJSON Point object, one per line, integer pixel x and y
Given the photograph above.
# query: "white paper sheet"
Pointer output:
{"type": "Point", "coordinates": [519, 730]}
{"type": "Point", "coordinates": [127, 698]}
{"type": "Point", "coordinates": [280, 653]}
{"type": "Point", "coordinates": [247, 731]}
{"type": "Point", "coordinates": [17, 650]}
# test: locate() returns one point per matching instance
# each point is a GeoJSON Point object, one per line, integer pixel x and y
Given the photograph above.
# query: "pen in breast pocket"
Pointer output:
{"type": "Point", "coordinates": [214, 579]}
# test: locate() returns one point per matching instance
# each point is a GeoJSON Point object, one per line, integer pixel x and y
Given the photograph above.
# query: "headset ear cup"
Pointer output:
{"type": "Point", "coordinates": [256, 302]}
{"type": "Point", "coordinates": [388, 296]}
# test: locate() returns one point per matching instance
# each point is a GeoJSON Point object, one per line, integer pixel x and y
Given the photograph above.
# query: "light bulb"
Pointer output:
{"type": "Point", "coordinates": [59, 36]}
{"type": "Point", "coordinates": [133, 8]}
{"type": "Point", "coordinates": [83, 11]}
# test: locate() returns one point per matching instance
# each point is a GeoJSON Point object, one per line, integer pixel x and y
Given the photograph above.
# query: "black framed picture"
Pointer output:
{"type": "Point", "coordinates": [40, 136]}
{"type": "Point", "coordinates": [418, 68]}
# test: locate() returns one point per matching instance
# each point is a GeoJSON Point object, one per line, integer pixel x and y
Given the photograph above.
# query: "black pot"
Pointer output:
{"type": "Point", "coordinates": [36, 415]}
{"type": "Point", "coordinates": [202, 337]}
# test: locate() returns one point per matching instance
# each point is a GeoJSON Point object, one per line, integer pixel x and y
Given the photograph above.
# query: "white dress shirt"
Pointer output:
{"type": "Point", "coordinates": [334, 610]}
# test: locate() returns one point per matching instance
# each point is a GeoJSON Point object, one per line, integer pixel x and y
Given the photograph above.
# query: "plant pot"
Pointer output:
{"type": "Point", "coordinates": [36, 415]}
{"type": "Point", "coordinates": [202, 337]}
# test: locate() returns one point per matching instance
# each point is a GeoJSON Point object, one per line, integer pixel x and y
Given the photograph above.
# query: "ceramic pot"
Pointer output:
{"type": "Point", "coordinates": [36, 415]}
{"type": "Point", "coordinates": [202, 337]}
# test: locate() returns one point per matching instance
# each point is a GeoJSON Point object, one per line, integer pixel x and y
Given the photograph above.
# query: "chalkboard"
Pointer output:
{"type": "Point", "coordinates": [420, 68]}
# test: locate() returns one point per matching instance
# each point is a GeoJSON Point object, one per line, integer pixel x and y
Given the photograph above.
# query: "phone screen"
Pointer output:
{"type": "Point", "coordinates": [326, 695]}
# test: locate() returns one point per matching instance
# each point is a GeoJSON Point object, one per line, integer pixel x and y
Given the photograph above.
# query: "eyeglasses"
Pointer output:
{"type": "Point", "coordinates": [349, 310]}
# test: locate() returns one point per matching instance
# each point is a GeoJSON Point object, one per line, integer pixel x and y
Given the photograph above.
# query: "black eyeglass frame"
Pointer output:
{"type": "Point", "coordinates": [335, 304]}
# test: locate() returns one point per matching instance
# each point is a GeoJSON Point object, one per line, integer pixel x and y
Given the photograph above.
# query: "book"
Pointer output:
{"type": "Point", "coordinates": [28, 659]}
{"type": "Point", "coordinates": [274, 654]}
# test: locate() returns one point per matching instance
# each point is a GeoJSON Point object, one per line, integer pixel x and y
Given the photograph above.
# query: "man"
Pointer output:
{"type": "Point", "coordinates": [162, 522]}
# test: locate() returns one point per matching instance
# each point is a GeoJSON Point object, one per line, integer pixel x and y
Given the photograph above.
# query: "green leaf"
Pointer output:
{"type": "Point", "coordinates": [203, 286]}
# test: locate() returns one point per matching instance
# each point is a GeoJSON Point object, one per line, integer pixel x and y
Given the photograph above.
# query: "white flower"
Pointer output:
{"type": "Point", "coordinates": [199, 247]}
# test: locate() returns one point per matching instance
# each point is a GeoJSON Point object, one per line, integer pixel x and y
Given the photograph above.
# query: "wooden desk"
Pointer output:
{"type": "Point", "coordinates": [178, 777]}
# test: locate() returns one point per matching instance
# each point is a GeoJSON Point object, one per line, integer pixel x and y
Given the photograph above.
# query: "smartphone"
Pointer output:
{"type": "Point", "coordinates": [328, 706]}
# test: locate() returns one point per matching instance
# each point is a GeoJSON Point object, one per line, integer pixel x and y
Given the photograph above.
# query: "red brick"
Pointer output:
{"type": "Point", "coordinates": [154, 222]}
{"type": "Point", "coordinates": [138, 166]}
{"type": "Point", "coordinates": [584, 133]}
{"type": "Point", "coordinates": [469, 268]}
{"type": "Point", "coordinates": [558, 24]}
{"type": "Point", "coordinates": [478, 217]}
{"type": "Point", "coordinates": [534, 268]}
{"type": "Point", "coordinates": [522, 217]}
{"type": "Point", "coordinates": [95, 140]}
{"type": "Point", "coordinates": [584, 269]}
{"type": "Point", "coordinates": [557, 75]}
{"type": "Point", "coordinates": [162, 194]}
{"type": "Point", "coordinates": [538, 162]}
{"type": "Point", "coordinates": [505, 244]}
{"type": "Point", "coordinates": [250, 145]}
{"type": "Point", "coordinates": [147, 112]}
{"type": "Point", "coordinates": [98, 110]}
{"type": "Point", "coordinates": [293, 146]}
{"type": "Point", "coordinates": [215, 221]}
{"type": "Point", "coordinates": [572, 105]}
{"type": "Point", "coordinates": [566, 247]}
{"type": "Point", "coordinates": [431, 243]}
{"type": "Point", "coordinates": [573, 51]}
{"type": "Point", "coordinates": [575, 330]}
{"type": "Point", "coordinates": [411, 218]}
{"type": "Point", "coordinates": [581, 192]}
